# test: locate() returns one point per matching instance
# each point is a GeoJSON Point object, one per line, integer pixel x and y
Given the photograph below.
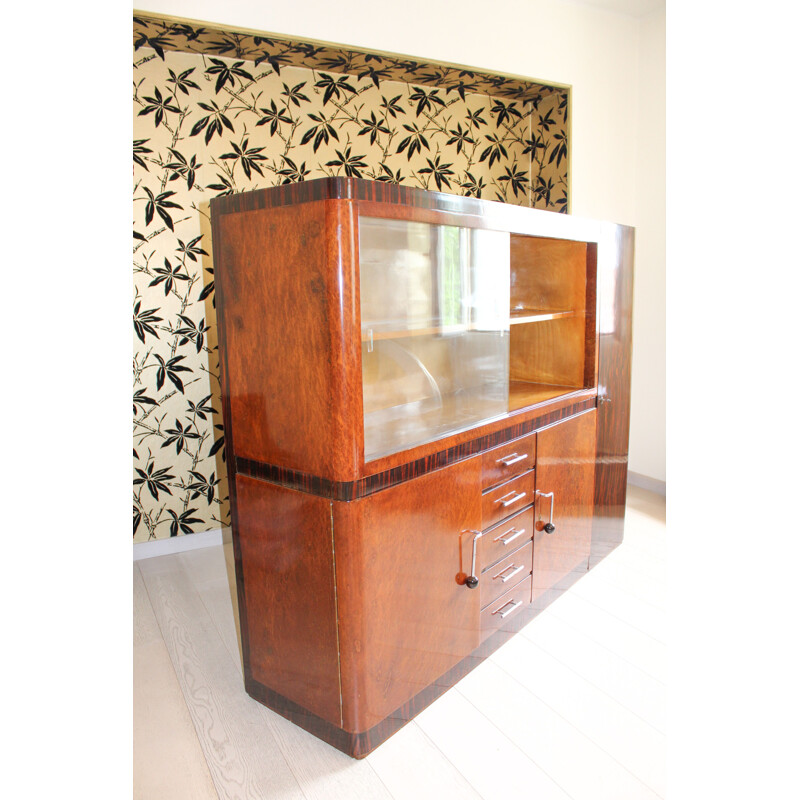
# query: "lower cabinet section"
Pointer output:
{"type": "Point", "coordinates": [356, 615]}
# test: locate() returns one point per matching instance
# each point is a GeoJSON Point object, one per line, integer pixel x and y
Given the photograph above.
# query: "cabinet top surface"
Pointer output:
{"type": "Point", "coordinates": [501, 215]}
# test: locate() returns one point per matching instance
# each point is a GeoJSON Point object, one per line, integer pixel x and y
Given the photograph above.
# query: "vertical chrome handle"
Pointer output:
{"type": "Point", "coordinates": [472, 579]}
{"type": "Point", "coordinates": [549, 527]}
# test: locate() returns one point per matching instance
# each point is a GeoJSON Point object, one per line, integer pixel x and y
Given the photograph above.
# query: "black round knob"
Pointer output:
{"type": "Point", "coordinates": [471, 582]}
{"type": "Point", "coordinates": [549, 528]}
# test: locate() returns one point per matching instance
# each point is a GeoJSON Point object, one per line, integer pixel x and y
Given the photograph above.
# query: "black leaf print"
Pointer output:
{"type": "Point", "coordinates": [274, 116]}
{"type": "Point", "coordinates": [154, 479]}
{"type": "Point", "coordinates": [182, 521]}
{"type": "Point", "coordinates": [160, 105]}
{"type": "Point", "coordinates": [159, 204]}
{"type": "Point", "coordinates": [248, 157]}
{"type": "Point", "coordinates": [170, 369]}
{"type": "Point", "coordinates": [143, 321]}
{"type": "Point", "coordinates": [440, 172]}
{"type": "Point", "coordinates": [182, 82]}
{"type": "Point", "coordinates": [225, 73]}
{"type": "Point", "coordinates": [333, 87]}
{"type": "Point", "coordinates": [352, 164]}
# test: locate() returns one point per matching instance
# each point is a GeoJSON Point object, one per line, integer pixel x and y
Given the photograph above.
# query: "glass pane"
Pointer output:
{"type": "Point", "coordinates": [434, 329]}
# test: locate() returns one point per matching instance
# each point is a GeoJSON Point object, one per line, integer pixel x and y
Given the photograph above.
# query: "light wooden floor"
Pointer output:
{"type": "Point", "coordinates": [572, 707]}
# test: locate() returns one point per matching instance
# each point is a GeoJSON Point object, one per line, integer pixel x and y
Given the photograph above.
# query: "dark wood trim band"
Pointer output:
{"type": "Point", "coordinates": [339, 188]}
{"type": "Point", "coordinates": [353, 490]}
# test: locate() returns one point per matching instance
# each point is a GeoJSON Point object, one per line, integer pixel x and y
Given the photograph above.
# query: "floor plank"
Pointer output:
{"type": "Point", "coordinates": [636, 646]}
{"type": "Point", "coordinates": [579, 766]}
{"type": "Point", "coordinates": [168, 762]}
{"type": "Point", "coordinates": [239, 748]}
{"type": "Point", "coordinates": [411, 766]}
{"type": "Point", "coordinates": [623, 735]}
{"type": "Point", "coordinates": [626, 683]}
{"type": "Point", "coordinates": [494, 765]}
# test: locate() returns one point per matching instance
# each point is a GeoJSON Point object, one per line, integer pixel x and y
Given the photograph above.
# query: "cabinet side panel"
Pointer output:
{"type": "Point", "coordinates": [405, 619]}
{"type": "Point", "coordinates": [615, 302]}
{"type": "Point", "coordinates": [285, 280]}
{"type": "Point", "coordinates": [287, 567]}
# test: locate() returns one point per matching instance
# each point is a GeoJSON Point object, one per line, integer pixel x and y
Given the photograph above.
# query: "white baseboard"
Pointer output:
{"type": "Point", "coordinates": [179, 544]}
{"type": "Point", "coordinates": [646, 482]}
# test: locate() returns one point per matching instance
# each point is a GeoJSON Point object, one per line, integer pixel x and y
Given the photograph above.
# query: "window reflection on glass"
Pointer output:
{"type": "Point", "coordinates": [435, 323]}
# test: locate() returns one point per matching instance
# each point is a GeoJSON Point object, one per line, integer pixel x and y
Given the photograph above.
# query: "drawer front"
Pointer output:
{"type": "Point", "coordinates": [506, 608]}
{"type": "Point", "coordinates": [507, 499]}
{"type": "Point", "coordinates": [507, 461]}
{"type": "Point", "coordinates": [513, 569]}
{"type": "Point", "coordinates": [506, 537]}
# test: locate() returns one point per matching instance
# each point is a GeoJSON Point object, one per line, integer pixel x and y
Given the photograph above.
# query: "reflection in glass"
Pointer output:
{"type": "Point", "coordinates": [434, 330]}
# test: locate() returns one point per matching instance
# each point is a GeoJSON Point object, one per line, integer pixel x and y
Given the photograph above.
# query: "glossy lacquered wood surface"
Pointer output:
{"type": "Point", "coordinates": [405, 617]}
{"type": "Point", "coordinates": [290, 349]}
{"type": "Point", "coordinates": [506, 536]}
{"type": "Point", "coordinates": [285, 541]}
{"type": "Point", "coordinates": [503, 463]}
{"type": "Point", "coordinates": [507, 498]}
{"type": "Point", "coordinates": [565, 466]}
{"type": "Point", "coordinates": [501, 577]}
{"type": "Point", "coordinates": [508, 611]}
{"type": "Point", "coordinates": [614, 381]}
{"type": "Point", "coordinates": [459, 447]}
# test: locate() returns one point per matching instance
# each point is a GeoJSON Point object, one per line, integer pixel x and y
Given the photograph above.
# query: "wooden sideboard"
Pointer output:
{"type": "Point", "coordinates": [426, 404]}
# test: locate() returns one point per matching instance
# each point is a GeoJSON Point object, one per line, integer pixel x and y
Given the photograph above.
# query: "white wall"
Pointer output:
{"type": "Point", "coordinates": [648, 394]}
{"type": "Point", "coordinates": [597, 52]}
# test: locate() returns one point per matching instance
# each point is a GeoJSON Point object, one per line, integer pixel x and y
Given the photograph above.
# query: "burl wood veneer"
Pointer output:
{"type": "Point", "coordinates": [368, 587]}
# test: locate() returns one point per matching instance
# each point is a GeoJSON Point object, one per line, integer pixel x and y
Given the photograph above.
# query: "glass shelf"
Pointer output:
{"type": "Point", "coordinates": [520, 316]}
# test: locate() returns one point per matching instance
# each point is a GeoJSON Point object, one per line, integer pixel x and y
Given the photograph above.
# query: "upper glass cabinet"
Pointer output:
{"type": "Point", "coordinates": [461, 325]}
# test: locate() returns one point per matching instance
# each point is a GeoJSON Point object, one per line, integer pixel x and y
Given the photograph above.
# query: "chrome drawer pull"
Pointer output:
{"type": "Point", "coordinates": [514, 535]}
{"type": "Point", "coordinates": [506, 578]}
{"type": "Point", "coordinates": [513, 458]}
{"type": "Point", "coordinates": [514, 497]}
{"type": "Point", "coordinates": [515, 604]}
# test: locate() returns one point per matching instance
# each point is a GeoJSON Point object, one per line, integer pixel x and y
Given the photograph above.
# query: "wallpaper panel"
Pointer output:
{"type": "Point", "coordinates": [206, 125]}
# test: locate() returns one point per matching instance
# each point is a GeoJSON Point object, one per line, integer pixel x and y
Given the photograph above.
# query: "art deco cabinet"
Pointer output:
{"type": "Point", "coordinates": [426, 410]}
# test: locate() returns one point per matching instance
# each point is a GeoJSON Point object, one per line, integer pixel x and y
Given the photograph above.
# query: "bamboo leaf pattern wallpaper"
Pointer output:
{"type": "Point", "coordinates": [216, 112]}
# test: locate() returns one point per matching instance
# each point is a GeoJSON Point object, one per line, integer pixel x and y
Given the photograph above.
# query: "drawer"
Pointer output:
{"type": "Point", "coordinates": [506, 609]}
{"type": "Point", "coordinates": [506, 499]}
{"type": "Point", "coordinates": [508, 460]}
{"type": "Point", "coordinates": [513, 569]}
{"type": "Point", "coordinates": [506, 537]}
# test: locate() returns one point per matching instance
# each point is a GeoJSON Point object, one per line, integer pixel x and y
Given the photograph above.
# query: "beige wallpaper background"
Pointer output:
{"type": "Point", "coordinates": [217, 112]}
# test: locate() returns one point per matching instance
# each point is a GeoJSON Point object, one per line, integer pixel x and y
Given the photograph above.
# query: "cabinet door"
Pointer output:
{"type": "Point", "coordinates": [405, 615]}
{"type": "Point", "coordinates": [565, 468]}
